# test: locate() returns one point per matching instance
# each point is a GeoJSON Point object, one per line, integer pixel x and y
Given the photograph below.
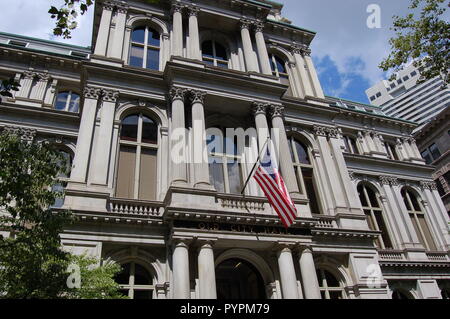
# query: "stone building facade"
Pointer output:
{"type": "Point", "coordinates": [370, 222]}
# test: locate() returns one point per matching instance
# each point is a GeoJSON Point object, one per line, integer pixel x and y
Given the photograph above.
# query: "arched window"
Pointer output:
{"type": "Point", "coordinates": [68, 101]}
{"type": "Point", "coordinates": [225, 169]}
{"type": "Point", "coordinates": [374, 215]}
{"type": "Point", "coordinates": [145, 47]}
{"type": "Point", "coordinates": [63, 176]}
{"type": "Point", "coordinates": [215, 54]}
{"type": "Point", "coordinates": [278, 66]}
{"type": "Point", "coordinates": [136, 170]}
{"type": "Point", "coordinates": [135, 281]}
{"type": "Point", "coordinates": [304, 173]}
{"type": "Point", "coordinates": [350, 145]}
{"type": "Point", "coordinates": [330, 286]}
{"type": "Point", "coordinates": [417, 216]}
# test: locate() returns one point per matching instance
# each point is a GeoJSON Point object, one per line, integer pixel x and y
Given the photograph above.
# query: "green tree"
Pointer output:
{"type": "Point", "coordinates": [32, 261]}
{"type": "Point", "coordinates": [423, 40]}
{"type": "Point", "coordinates": [8, 85]}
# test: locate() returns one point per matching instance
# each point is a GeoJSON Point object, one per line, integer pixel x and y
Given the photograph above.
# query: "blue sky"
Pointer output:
{"type": "Point", "coordinates": [345, 51]}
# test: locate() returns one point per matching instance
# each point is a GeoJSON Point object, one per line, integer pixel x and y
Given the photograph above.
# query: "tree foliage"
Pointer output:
{"type": "Point", "coordinates": [423, 40]}
{"type": "Point", "coordinates": [8, 85]}
{"type": "Point", "coordinates": [32, 261]}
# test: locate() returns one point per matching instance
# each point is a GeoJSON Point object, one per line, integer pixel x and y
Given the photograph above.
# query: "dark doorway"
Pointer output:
{"type": "Point", "coordinates": [239, 279]}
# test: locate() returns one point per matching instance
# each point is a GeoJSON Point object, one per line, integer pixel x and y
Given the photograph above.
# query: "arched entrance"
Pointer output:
{"type": "Point", "coordinates": [239, 279]}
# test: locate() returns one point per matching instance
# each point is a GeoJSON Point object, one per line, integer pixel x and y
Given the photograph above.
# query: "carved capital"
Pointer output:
{"type": "Point", "coordinates": [384, 180]}
{"type": "Point", "coordinates": [110, 96]}
{"type": "Point", "coordinates": [259, 26]}
{"type": "Point", "coordinates": [306, 51]}
{"type": "Point", "coordinates": [177, 7]}
{"type": "Point", "coordinates": [351, 175]}
{"type": "Point", "coordinates": [29, 74]}
{"type": "Point", "coordinates": [25, 134]}
{"type": "Point", "coordinates": [428, 185]}
{"type": "Point", "coordinates": [177, 93]}
{"type": "Point", "coordinates": [193, 11]}
{"type": "Point", "coordinates": [197, 96]}
{"type": "Point", "coordinates": [259, 108]}
{"type": "Point", "coordinates": [122, 8]}
{"type": "Point", "coordinates": [276, 110]}
{"type": "Point", "coordinates": [296, 49]}
{"type": "Point", "coordinates": [320, 130]}
{"type": "Point", "coordinates": [91, 92]}
{"type": "Point", "coordinates": [245, 24]}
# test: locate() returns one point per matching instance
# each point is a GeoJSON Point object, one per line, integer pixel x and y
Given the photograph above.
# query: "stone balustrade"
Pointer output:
{"type": "Point", "coordinates": [136, 207]}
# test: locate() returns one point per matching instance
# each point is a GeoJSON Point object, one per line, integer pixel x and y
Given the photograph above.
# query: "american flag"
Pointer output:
{"type": "Point", "coordinates": [272, 184]}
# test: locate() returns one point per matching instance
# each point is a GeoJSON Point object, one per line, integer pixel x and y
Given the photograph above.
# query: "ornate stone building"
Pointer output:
{"type": "Point", "coordinates": [370, 222]}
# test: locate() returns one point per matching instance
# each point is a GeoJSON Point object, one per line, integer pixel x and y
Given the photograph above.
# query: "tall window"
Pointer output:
{"type": "Point", "coordinates": [225, 168]}
{"type": "Point", "coordinates": [136, 173]}
{"type": "Point", "coordinates": [145, 47]}
{"type": "Point", "coordinates": [350, 145]}
{"type": "Point", "coordinates": [431, 153]}
{"type": "Point", "coordinates": [304, 173]}
{"type": "Point", "coordinates": [374, 215]}
{"type": "Point", "coordinates": [68, 101]}
{"type": "Point", "coordinates": [135, 281]}
{"type": "Point", "coordinates": [278, 66]}
{"type": "Point", "coordinates": [391, 152]}
{"type": "Point", "coordinates": [417, 216]}
{"type": "Point", "coordinates": [63, 177]}
{"type": "Point", "coordinates": [330, 286]}
{"type": "Point", "coordinates": [215, 54]}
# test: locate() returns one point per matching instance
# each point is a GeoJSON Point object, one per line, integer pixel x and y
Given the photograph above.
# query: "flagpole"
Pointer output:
{"type": "Point", "coordinates": [254, 166]}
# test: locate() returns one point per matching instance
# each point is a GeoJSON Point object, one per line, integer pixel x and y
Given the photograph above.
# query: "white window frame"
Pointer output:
{"type": "Point", "coordinates": [215, 59]}
{"type": "Point", "coordinates": [277, 72]}
{"type": "Point", "coordinates": [145, 46]}
{"type": "Point", "coordinates": [323, 286]}
{"type": "Point", "coordinates": [69, 99]}
{"type": "Point", "coordinates": [132, 287]}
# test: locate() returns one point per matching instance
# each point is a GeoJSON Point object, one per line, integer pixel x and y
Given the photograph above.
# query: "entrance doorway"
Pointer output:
{"type": "Point", "coordinates": [239, 279]}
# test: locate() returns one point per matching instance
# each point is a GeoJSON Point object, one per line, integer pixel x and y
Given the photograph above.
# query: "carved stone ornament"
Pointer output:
{"type": "Point", "coordinates": [428, 185]}
{"type": "Point", "coordinates": [296, 49]}
{"type": "Point", "coordinates": [110, 96]}
{"type": "Point", "coordinates": [259, 26]}
{"type": "Point", "coordinates": [177, 93]}
{"type": "Point", "coordinates": [193, 11]}
{"type": "Point", "coordinates": [276, 110]}
{"type": "Point", "coordinates": [245, 23]}
{"type": "Point", "coordinates": [177, 7]}
{"type": "Point", "coordinates": [91, 92]}
{"type": "Point", "coordinates": [25, 134]}
{"type": "Point", "coordinates": [259, 108]}
{"type": "Point", "coordinates": [320, 130]}
{"type": "Point", "coordinates": [306, 51]}
{"type": "Point", "coordinates": [197, 96]}
{"type": "Point", "coordinates": [388, 180]}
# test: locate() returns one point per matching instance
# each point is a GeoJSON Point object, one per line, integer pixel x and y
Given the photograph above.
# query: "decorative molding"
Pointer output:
{"type": "Point", "coordinates": [331, 132]}
{"type": "Point", "coordinates": [306, 51]}
{"type": "Point", "coordinates": [295, 49]}
{"type": "Point", "coordinates": [110, 95]}
{"type": "Point", "coordinates": [388, 180]}
{"type": "Point", "coordinates": [197, 96]}
{"type": "Point", "coordinates": [177, 7]}
{"type": "Point", "coordinates": [259, 26]}
{"type": "Point", "coordinates": [177, 93]}
{"type": "Point", "coordinates": [26, 134]}
{"type": "Point", "coordinates": [245, 24]}
{"type": "Point", "coordinates": [91, 92]}
{"type": "Point", "coordinates": [351, 175]}
{"type": "Point", "coordinates": [428, 185]}
{"type": "Point", "coordinates": [276, 110]}
{"type": "Point", "coordinates": [193, 11]}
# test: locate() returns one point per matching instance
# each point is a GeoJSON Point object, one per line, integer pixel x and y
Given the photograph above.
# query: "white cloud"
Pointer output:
{"type": "Point", "coordinates": [342, 32]}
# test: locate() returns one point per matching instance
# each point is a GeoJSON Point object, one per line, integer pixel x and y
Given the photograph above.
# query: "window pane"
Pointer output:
{"type": "Point", "coordinates": [207, 49]}
{"type": "Point", "coordinates": [148, 174]}
{"type": "Point", "coordinates": [141, 276]}
{"type": "Point", "coordinates": [272, 65]}
{"type": "Point", "coordinates": [405, 200]}
{"type": "Point", "coordinates": [301, 153]}
{"type": "Point", "coordinates": [152, 59]}
{"type": "Point", "coordinates": [138, 35]}
{"type": "Point", "coordinates": [372, 197]}
{"type": "Point", "coordinates": [280, 65]}
{"type": "Point", "coordinates": [426, 232]}
{"type": "Point", "coordinates": [369, 219]}
{"type": "Point", "coordinates": [74, 103]}
{"type": "Point", "coordinates": [353, 145]}
{"type": "Point", "coordinates": [414, 201]}
{"type": "Point", "coordinates": [221, 53]}
{"type": "Point", "coordinates": [416, 228]}
{"type": "Point", "coordinates": [435, 151]}
{"type": "Point", "coordinates": [216, 174]}
{"type": "Point", "coordinates": [137, 56]}
{"type": "Point", "coordinates": [383, 229]}
{"type": "Point", "coordinates": [362, 196]}
{"type": "Point", "coordinates": [153, 37]}
{"type": "Point", "coordinates": [427, 157]}
{"type": "Point", "coordinates": [331, 280]}
{"type": "Point", "coordinates": [149, 131]}
{"type": "Point", "coordinates": [129, 128]}
{"type": "Point", "coordinates": [61, 101]}
{"type": "Point", "coordinates": [123, 277]}
{"type": "Point", "coordinates": [310, 190]}
{"type": "Point", "coordinates": [222, 64]}
{"type": "Point", "coordinates": [234, 177]}
{"type": "Point", "coordinates": [66, 164]}
{"type": "Point", "coordinates": [125, 173]}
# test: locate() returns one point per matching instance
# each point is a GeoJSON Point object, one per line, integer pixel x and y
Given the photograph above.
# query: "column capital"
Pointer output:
{"type": "Point", "coordinates": [197, 96]}
{"type": "Point", "coordinates": [276, 110]}
{"type": "Point", "coordinates": [91, 92]}
{"type": "Point", "coordinates": [331, 132]}
{"type": "Point", "coordinates": [305, 50]}
{"type": "Point", "coordinates": [193, 10]}
{"type": "Point", "coordinates": [177, 93]}
{"type": "Point", "coordinates": [108, 5]}
{"type": "Point", "coordinates": [388, 180]}
{"type": "Point", "coordinates": [428, 185]}
{"type": "Point", "coordinates": [177, 7]}
{"type": "Point", "coordinates": [122, 8]}
{"type": "Point", "coordinates": [281, 247]}
{"type": "Point", "coordinates": [259, 108]}
{"type": "Point", "coordinates": [245, 23]}
{"type": "Point", "coordinates": [295, 49]}
{"type": "Point", "coordinates": [181, 242]}
{"type": "Point", "coordinates": [259, 26]}
{"type": "Point", "coordinates": [29, 74]}
{"type": "Point", "coordinates": [25, 134]}
{"type": "Point", "coordinates": [110, 95]}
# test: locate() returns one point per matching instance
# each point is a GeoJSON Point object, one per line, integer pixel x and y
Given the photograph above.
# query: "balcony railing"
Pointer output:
{"type": "Point", "coordinates": [241, 203]}
{"type": "Point", "coordinates": [136, 207]}
{"type": "Point", "coordinates": [391, 255]}
{"type": "Point", "coordinates": [437, 256]}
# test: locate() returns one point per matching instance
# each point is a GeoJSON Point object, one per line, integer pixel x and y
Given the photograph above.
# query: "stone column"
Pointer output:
{"type": "Point", "coordinates": [206, 271]}
{"type": "Point", "coordinates": [101, 158]}
{"type": "Point", "coordinates": [178, 137]}
{"type": "Point", "coordinates": [103, 30]}
{"type": "Point", "coordinates": [305, 82]}
{"type": "Point", "coordinates": [287, 274]}
{"type": "Point", "coordinates": [119, 31]}
{"type": "Point", "coordinates": [262, 129]}
{"type": "Point", "coordinates": [263, 56]}
{"type": "Point", "coordinates": [86, 131]}
{"type": "Point", "coordinates": [180, 265]}
{"type": "Point", "coordinates": [200, 155]}
{"type": "Point", "coordinates": [194, 38]}
{"type": "Point", "coordinates": [312, 73]}
{"type": "Point", "coordinates": [247, 46]}
{"type": "Point", "coordinates": [177, 35]}
{"type": "Point", "coordinates": [310, 282]}
{"type": "Point", "coordinates": [284, 158]}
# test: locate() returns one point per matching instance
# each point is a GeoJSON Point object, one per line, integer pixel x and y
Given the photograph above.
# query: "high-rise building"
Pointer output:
{"type": "Point", "coordinates": [135, 115]}
{"type": "Point", "coordinates": [406, 99]}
